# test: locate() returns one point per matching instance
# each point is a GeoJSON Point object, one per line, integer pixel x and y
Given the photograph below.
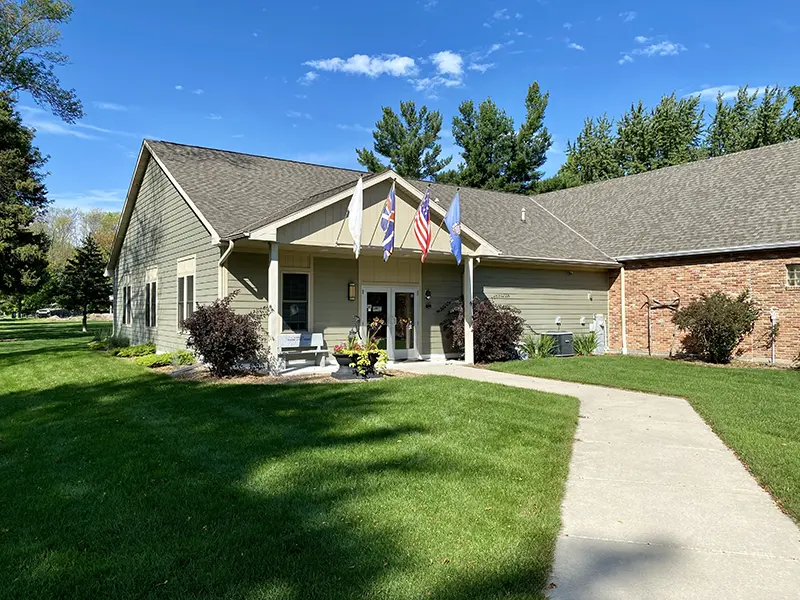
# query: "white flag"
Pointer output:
{"type": "Point", "coordinates": [356, 215]}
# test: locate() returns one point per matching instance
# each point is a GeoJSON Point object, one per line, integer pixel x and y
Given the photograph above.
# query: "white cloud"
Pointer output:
{"type": "Point", "coordinates": [296, 114]}
{"type": "Point", "coordinates": [301, 96]}
{"type": "Point", "coordinates": [198, 92]}
{"type": "Point", "coordinates": [625, 59]}
{"type": "Point", "coordinates": [640, 39]}
{"type": "Point", "coordinates": [568, 25]}
{"type": "Point", "coordinates": [308, 78]}
{"type": "Point", "coordinates": [356, 127]}
{"type": "Point", "coordinates": [111, 199]}
{"type": "Point", "coordinates": [448, 63]}
{"type": "Point", "coordinates": [179, 87]}
{"type": "Point", "coordinates": [430, 4]}
{"type": "Point", "coordinates": [665, 48]}
{"type": "Point", "coordinates": [574, 46]}
{"type": "Point", "coordinates": [110, 106]}
{"type": "Point", "coordinates": [479, 56]}
{"type": "Point", "coordinates": [371, 66]}
{"type": "Point", "coordinates": [480, 67]}
{"type": "Point", "coordinates": [516, 32]}
{"type": "Point", "coordinates": [430, 84]}
{"type": "Point", "coordinates": [728, 92]}
{"type": "Point", "coordinates": [706, 45]}
{"type": "Point", "coordinates": [214, 117]}
{"type": "Point", "coordinates": [58, 128]}
{"type": "Point", "coordinates": [487, 25]}
{"type": "Point", "coordinates": [627, 16]}
{"type": "Point", "coordinates": [518, 16]}
{"type": "Point", "coordinates": [501, 15]}
{"type": "Point", "coordinates": [40, 120]}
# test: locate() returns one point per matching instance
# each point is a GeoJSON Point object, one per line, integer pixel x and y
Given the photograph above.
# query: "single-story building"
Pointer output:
{"type": "Point", "coordinates": [199, 223]}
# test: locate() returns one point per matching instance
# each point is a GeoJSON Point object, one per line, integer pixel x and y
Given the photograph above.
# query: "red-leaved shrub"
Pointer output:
{"type": "Point", "coordinates": [497, 329]}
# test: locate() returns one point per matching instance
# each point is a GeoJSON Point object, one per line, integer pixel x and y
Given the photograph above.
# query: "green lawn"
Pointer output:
{"type": "Point", "coordinates": [755, 411]}
{"type": "Point", "coordinates": [116, 482]}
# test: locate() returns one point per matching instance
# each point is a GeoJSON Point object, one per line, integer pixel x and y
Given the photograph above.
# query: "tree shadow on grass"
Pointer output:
{"type": "Point", "coordinates": [156, 488]}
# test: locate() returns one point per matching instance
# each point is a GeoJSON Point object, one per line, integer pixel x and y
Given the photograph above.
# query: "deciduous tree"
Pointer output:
{"type": "Point", "coordinates": [593, 156]}
{"type": "Point", "coordinates": [29, 36]}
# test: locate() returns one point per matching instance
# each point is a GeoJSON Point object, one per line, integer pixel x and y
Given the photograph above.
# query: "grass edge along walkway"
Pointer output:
{"type": "Point", "coordinates": [119, 482]}
{"type": "Point", "coordinates": [756, 412]}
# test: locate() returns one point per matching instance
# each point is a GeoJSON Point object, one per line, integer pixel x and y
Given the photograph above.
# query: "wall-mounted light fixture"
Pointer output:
{"type": "Point", "coordinates": [427, 294]}
{"type": "Point", "coordinates": [351, 291]}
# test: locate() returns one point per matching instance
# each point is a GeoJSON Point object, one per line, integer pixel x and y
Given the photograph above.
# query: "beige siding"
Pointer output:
{"type": "Point", "coordinates": [162, 230]}
{"type": "Point", "coordinates": [333, 312]}
{"type": "Point", "coordinates": [248, 277]}
{"type": "Point", "coordinates": [396, 271]}
{"type": "Point", "coordinates": [328, 226]}
{"type": "Point", "coordinates": [543, 294]}
{"type": "Point", "coordinates": [444, 281]}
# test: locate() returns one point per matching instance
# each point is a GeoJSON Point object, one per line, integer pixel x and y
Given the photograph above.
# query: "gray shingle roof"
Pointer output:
{"type": "Point", "coordinates": [748, 198]}
{"type": "Point", "coordinates": [234, 191]}
{"type": "Point", "coordinates": [743, 199]}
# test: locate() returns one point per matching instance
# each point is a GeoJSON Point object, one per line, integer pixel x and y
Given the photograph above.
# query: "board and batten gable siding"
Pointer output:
{"type": "Point", "coordinates": [544, 294]}
{"type": "Point", "coordinates": [162, 230]}
{"type": "Point", "coordinates": [328, 226]}
{"type": "Point", "coordinates": [445, 283]}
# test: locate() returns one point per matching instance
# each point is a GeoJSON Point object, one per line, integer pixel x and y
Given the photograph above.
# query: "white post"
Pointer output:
{"type": "Point", "coordinates": [273, 297]}
{"type": "Point", "coordinates": [623, 316]}
{"type": "Point", "coordinates": [469, 347]}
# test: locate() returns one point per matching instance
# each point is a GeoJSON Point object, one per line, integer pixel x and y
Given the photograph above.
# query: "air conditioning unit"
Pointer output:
{"type": "Point", "coordinates": [563, 343]}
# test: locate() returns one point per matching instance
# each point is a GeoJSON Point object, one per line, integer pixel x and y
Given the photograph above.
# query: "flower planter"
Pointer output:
{"type": "Point", "coordinates": [344, 360]}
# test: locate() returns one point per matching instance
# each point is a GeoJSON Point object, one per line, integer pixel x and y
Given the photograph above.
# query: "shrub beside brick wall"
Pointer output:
{"type": "Point", "coordinates": [763, 274]}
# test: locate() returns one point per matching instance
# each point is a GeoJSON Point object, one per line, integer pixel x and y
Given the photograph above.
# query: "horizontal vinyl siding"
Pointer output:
{"type": "Point", "coordinates": [543, 294]}
{"type": "Point", "coordinates": [248, 275]}
{"type": "Point", "coordinates": [444, 283]}
{"type": "Point", "coordinates": [333, 312]}
{"type": "Point", "coordinates": [162, 230]}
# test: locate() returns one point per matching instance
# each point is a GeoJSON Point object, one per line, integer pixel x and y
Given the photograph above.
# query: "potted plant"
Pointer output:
{"type": "Point", "coordinates": [371, 360]}
{"type": "Point", "coordinates": [343, 353]}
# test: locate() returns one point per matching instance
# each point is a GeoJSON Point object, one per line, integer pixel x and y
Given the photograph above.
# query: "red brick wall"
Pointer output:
{"type": "Point", "coordinates": [763, 274]}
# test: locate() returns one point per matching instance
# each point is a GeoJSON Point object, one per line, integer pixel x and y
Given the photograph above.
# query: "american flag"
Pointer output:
{"type": "Point", "coordinates": [422, 224]}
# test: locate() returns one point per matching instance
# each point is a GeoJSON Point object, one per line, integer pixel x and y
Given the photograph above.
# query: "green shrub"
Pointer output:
{"type": "Point", "coordinates": [115, 342]}
{"type": "Point", "coordinates": [98, 345]}
{"type": "Point", "coordinates": [152, 361]}
{"type": "Point", "coordinates": [584, 344]}
{"type": "Point", "coordinates": [538, 346]}
{"type": "Point", "coordinates": [140, 350]}
{"type": "Point", "coordinates": [716, 325]}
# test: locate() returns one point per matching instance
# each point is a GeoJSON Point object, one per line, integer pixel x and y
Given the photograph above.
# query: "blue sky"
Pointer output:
{"type": "Point", "coordinates": [306, 80]}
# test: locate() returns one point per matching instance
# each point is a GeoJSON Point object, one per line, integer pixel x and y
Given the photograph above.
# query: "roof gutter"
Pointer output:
{"type": "Point", "coordinates": [611, 264]}
{"type": "Point", "coordinates": [724, 250]}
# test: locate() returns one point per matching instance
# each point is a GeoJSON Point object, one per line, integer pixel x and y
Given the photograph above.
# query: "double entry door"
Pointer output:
{"type": "Point", "coordinates": [397, 311]}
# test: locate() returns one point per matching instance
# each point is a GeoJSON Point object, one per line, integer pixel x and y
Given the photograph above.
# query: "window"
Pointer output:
{"type": "Point", "coordinates": [150, 295]}
{"type": "Point", "coordinates": [294, 306]}
{"type": "Point", "coordinates": [126, 305]}
{"type": "Point", "coordinates": [185, 289]}
{"type": "Point", "coordinates": [793, 275]}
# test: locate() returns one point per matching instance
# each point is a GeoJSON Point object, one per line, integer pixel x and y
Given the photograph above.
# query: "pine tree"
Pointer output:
{"type": "Point", "coordinates": [533, 142]}
{"type": "Point", "coordinates": [676, 130]}
{"type": "Point", "coordinates": [593, 156]}
{"type": "Point", "coordinates": [411, 145]}
{"type": "Point", "coordinates": [84, 286]}
{"type": "Point", "coordinates": [23, 247]}
{"type": "Point", "coordinates": [791, 122]}
{"type": "Point", "coordinates": [635, 144]}
{"type": "Point", "coordinates": [768, 118]}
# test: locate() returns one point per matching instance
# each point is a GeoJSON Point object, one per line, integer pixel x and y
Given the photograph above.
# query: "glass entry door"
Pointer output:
{"type": "Point", "coordinates": [397, 308]}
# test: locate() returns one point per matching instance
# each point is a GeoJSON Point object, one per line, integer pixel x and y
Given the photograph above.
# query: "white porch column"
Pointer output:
{"type": "Point", "coordinates": [469, 293]}
{"type": "Point", "coordinates": [273, 298]}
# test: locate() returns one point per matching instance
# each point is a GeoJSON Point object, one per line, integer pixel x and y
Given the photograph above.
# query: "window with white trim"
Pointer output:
{"type": "Point", "coordinates": [186, 274]}
{"type": "Point", "coordinates": [793, 275]}
{"type": "Point", "coordinates": [294, 304]}
{"type": "Point", "coordinates": [150, 297]}
{"type": "Point", "coordinates": [126, 305]}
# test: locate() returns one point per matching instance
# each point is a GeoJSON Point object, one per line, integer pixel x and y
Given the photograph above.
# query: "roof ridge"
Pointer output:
{"type": "Point", "coordinates": [290, 160]}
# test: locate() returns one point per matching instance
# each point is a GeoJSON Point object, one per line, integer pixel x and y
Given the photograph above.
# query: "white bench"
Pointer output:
{"type": "Point", "coordinates": [302, 344]}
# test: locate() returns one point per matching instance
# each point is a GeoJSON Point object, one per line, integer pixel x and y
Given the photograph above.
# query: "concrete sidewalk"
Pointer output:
{"type": "Point", "coordinates": [656, 505]}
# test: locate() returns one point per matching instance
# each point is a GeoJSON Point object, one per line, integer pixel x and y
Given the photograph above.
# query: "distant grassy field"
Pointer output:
{"type": "Point", "coordinates": [755, 411]}
{"type": "Point", "coordinates": [117, 482]}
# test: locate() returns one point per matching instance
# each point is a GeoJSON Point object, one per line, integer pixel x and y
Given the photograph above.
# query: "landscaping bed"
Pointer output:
{"type": "Point", "coordinates": [121, 482]}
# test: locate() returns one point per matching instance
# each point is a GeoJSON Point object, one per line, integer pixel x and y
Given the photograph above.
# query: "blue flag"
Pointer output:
{"type": "Point", "coordinates": [387, 224]}
{"type": "Point", "coordinates": [453, 222]}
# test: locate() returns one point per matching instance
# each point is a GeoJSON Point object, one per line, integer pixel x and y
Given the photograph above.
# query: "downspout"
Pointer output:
{"type": "Point", "coordinates": [624, 319]}
{"type": "Point", "coordinates": [221, 266]}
